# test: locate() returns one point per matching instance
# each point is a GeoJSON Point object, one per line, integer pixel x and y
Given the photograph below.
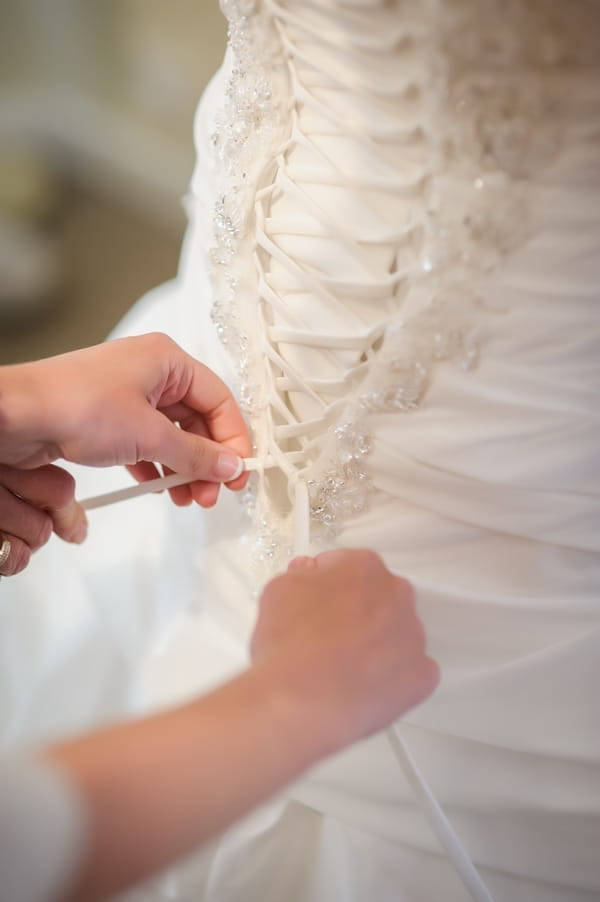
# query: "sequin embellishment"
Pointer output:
{"type": "Point", "coordinates": [467, 206]}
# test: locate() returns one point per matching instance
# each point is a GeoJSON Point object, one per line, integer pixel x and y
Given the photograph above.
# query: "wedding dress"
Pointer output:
{"type": "Point", "coordinates": [393, 257]}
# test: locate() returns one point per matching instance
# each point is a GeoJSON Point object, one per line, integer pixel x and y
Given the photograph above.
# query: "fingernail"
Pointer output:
{"type": "Point", "coordinates": [228, 467]}
{"type": "Point", "coordinates": [301, 563]}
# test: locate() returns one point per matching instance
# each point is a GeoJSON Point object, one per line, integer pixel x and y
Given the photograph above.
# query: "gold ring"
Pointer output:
{"type": "Point", "coordinates": [4, 549]}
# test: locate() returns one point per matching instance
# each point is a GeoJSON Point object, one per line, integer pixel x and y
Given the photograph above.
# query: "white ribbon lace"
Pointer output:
{"type": "Point", "coordinates": [421, 119]}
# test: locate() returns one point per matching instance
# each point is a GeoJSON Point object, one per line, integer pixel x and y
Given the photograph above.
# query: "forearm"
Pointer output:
{"type": "Point", "coordinates": [25, 412]}
{"type": "Point", "coordinates": [160, 787]}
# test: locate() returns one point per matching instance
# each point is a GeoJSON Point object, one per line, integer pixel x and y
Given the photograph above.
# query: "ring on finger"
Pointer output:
{"type": "Point", "coordinates": [5, 547]}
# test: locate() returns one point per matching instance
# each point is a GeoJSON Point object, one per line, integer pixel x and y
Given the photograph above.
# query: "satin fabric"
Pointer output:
{"type": "Point", "coordinates": [486, 497]}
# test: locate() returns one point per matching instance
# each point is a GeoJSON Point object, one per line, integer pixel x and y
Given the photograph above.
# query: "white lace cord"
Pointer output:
{"type": "Point", "coordinates": [301, 524]}
{"type": "Point", "coordinates": [438, 821]}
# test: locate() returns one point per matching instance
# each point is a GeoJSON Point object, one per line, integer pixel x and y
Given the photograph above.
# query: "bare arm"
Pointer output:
{"type": "Point", "coordinates": [338, 653]}
{"type": "Point", "coordinates": [135, 402]}
{"type": "Point", "coordinates": [158, 788]}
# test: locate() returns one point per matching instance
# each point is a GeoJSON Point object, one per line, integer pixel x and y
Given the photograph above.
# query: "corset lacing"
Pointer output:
{"type": "Point", "coordinates": [307, 204]}
{"type": "Point", "coordinates": [314, 426]}
{"type": "Point", "coordinates": [299, 410]}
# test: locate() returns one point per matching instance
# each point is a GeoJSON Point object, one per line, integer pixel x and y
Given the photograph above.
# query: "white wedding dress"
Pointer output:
{"type": "Point", "coordinates": [395, 226]}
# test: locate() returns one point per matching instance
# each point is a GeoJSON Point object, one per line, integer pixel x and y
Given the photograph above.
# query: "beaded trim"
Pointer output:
{"type": "Point", "coordinates": [247, 122]}
{"type": "Point", "coordinates": [398, 382]}
{"type": "Point", "coordinates": [479, 135]}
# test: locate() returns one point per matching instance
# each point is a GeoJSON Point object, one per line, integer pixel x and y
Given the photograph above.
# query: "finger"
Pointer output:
{"type": "Point", "coordinates": [70, 522]}
{"type": "Point", "coordinates": [208, 395]}
{"type": "Point", "coordinates": [18, 558]}
{"type": "Point", "coordinates": [425, 680]}
{"type": "Point", "coordinates": [405, 592]}
{"type": "Point", "coordinates": [301, 563]}
{"type": "Point", "coordinates": [180, 494]}
{"type": "Point", "coordinates": [144, 471]}
{"type": "Point", "coordinates": [23, 520]}
{"type": "Point", "coordinates": [203, 493]}
{"type": "Point", "coordinates": [346, 557]}
{"type": "Point", "coordinates": [188, 454]}
{"type": "Point", "coordinates": [194, 491]}
{"type": "Point", "coordinates": [327, 559]}
{"type": "Point", "coordinates": [50, 490]}
{"type": "Point", "coordinates": [48, 487]}
{"type": "Point", "coordinates": [194, 423]}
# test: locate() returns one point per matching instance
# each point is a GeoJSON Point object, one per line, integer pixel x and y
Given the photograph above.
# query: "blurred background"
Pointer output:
{"type": "Point", "coordinates": [96, 107]}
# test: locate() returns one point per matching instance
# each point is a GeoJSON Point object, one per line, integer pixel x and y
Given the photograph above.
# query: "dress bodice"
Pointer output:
{"type": "Point", "coordinates": [405, 274]}
{"type": "Point", "coordinates": [395, 221]}
{"type": "Point", "coordinates": [376, 163]}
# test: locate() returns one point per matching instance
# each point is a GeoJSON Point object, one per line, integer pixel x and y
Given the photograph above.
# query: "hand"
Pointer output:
{"type": "Point", "coordinates": [34, 503]}
{"type": "Point", "coordinates": [338, 653]}
{"type": "Point", "coordinates": [119, 403]}
{"type": "Point", "coordinates": [344, 637]}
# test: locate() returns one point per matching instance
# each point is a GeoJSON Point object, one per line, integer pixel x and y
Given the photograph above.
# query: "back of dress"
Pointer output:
{"type": "Point", "coordinates": [405, 224]}
{"type": "Point", "coordinates": [393, 254]}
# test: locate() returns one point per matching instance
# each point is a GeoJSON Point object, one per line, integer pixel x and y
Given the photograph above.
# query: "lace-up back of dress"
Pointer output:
{"type": "Point", "coordinates": [375, 161]}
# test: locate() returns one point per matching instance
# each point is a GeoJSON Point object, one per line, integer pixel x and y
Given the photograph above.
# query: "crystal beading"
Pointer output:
{"type": "Point", "coordinates": [489, 117]}
{"type": "Point", "coordinates": [245, 126]}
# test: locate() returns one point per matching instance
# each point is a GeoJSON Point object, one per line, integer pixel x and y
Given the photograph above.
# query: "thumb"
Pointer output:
{"type": "Point", "coordinates": [193, 455]}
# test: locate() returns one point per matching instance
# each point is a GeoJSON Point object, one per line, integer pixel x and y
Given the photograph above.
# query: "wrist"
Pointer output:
{"type": "Point", "coordinates": [299, 717]}
{"type": "Point", "coordinates": [25, 415]}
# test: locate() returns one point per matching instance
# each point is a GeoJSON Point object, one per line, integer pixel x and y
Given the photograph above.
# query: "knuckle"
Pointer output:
{"type": "Point", "coordinates": [288, 592]}
{"type": "Point", "coordinates": [369, 559]}
{"type": "Point", "coordinates": [65, 487]}
{"type": "Point", "coordinates": [68, 521]}
{"type": "Point", "coordinates": [153, 442]}
{"type": "Point", "coordinates": [18, 559]}
{"type": "Point", "coordinates": [274, 590]}
{"type": "Point", "coordinates": [41, 530]}
{"type": "Point", "coordinates": [158, 343]}
{"type": "Point", "coordinates": [364, 564]}
{"type": "Point", "coordinates": [158, 438]}
{"type": "Point", "coordinates": [199, 455]}
{"type": "Point", "coordinates": [59, 486]}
